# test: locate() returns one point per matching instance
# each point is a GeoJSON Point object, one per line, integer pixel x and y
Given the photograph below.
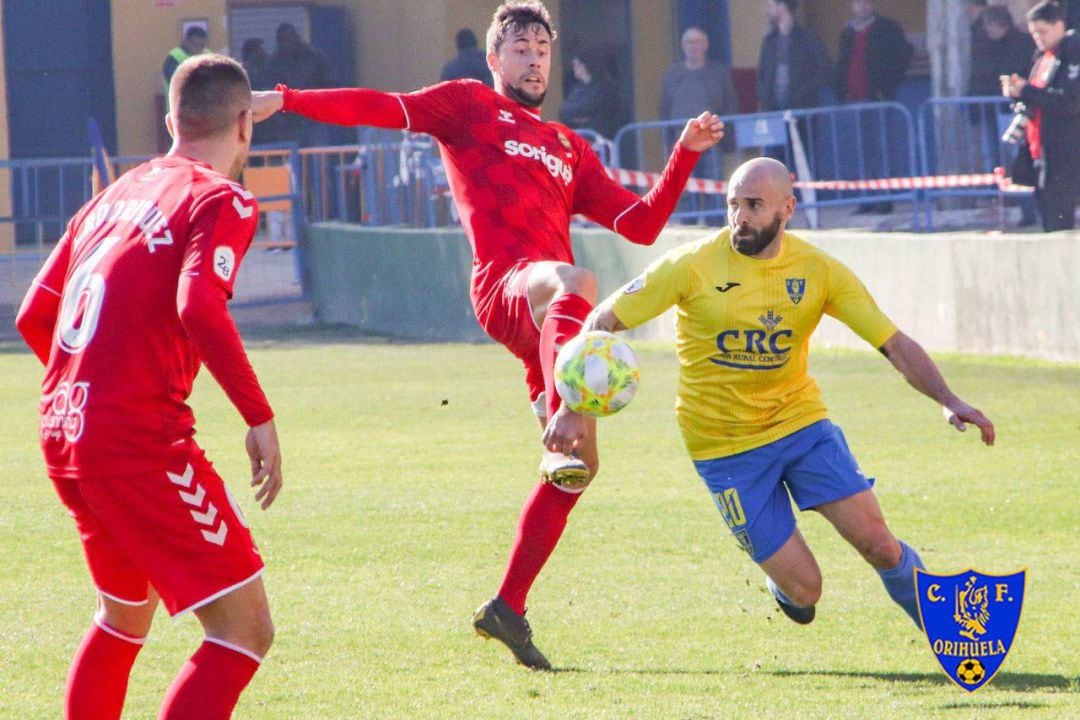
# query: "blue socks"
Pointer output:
{"type": "Point", "coordinates": [900, 582]}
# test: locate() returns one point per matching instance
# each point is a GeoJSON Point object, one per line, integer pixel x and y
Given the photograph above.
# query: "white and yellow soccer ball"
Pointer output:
{"type": "Point", "coordinates": [596, 374]}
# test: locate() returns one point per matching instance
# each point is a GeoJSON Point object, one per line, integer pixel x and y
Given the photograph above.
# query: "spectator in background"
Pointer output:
{"type": "Point", "coordinates": [1048, 157]}
{"type": "Point", "coordinates": [194, 43]}
{"type": "Point", "coordinates": [1007, 51]}
{"type": "Point", "coordinates": [298, 65]}
{"type": "Point", "coordinates": [696, 82]}
{"type": "Point", "coordinates": [980, 41]}
{"type": "Point", "coordinates": [470, 62]}
{"type": "Point", "coordinates": [874, 56]}
{"type": "Point", "coordinates": [592, 101]}
{"type": "Point", "coordinates": [794, 65]}
{"type": "Point", "coordinates": [256, 62]}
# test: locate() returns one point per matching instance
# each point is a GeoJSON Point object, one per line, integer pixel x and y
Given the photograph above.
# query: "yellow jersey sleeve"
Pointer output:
{"type": "Point", "coordinates": [666, 282]}
{"type": "Point", "coordinates": [851, 303]}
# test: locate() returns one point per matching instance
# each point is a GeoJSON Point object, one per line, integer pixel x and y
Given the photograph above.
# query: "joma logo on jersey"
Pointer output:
{"type": "Point", "coordinates": [553, 163]}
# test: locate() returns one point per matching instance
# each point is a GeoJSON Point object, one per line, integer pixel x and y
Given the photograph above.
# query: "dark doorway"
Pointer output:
{"type": "Point", "coordinates": [600, 29]}
{"type": "Point", "coordinates": [59, 73]}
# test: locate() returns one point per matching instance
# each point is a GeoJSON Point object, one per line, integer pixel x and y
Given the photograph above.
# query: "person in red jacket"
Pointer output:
{"type": "Point", "coordinates": [127, 307]}
{"type": "Point", "coordinates": [517, 180]}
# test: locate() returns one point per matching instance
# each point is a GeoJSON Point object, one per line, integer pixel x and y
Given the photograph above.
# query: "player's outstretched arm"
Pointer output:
{"type": "Point", "coordinates": [912, 361]}
{"type": "Point", "coordinates": [265, 103]}
{"type": "Point", "coordinates": [265, 453]}
{"type": "Point", "coordinates": [340, 106]}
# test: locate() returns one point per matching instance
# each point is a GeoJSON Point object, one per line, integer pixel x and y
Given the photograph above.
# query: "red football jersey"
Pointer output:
{"type": "Point", "coordinates": [516, 179]}
{"type": "Point", "coordinates": [137, 264]}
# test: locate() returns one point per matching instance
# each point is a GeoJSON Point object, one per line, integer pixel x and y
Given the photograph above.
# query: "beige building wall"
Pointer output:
{"type": "Point", "coordinates": [748, 27]}
{"type": "Point", "coordinates": [142, 34]}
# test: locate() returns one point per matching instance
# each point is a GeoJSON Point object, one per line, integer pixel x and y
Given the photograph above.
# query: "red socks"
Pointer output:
{"type": "Point", "coordinates": [543, 518]}
{"type": "Point", "coordinates": [563, 320]}
{"type": "Point", "coordinates": [540, 526]}
{"type": "Point", "coordinates": [98, 679]}
{"type": "Point", "coordinates": [209, 685]}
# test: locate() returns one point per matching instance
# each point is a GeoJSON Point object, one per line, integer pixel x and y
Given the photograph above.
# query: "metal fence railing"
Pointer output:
{"type": "Point", "coordinates": [847, 142]}
{"type": "Point", "coordinates": [397, 178]}
{"type": "Point", "coordinates": [44, 194]}
{"type": "Point", "coordinates": [963, 136]}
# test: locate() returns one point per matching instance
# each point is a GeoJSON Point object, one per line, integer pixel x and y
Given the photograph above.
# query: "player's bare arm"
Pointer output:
{"type": "Point", "coordinates": [265, 453]}
{"type": "Point", "coordinates": [702, 132]}
{"type": "Point", "coordinates": [912, 361]}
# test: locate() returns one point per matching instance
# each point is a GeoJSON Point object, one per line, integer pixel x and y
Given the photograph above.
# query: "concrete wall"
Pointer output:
{"type": "Point", "coordinates": [961, 292]}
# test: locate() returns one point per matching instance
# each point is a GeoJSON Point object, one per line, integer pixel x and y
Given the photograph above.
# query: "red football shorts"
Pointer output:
{"type": "Point", "coordinates": [508, 318]}
{"type": "Point", "coordinates": [179, 531]}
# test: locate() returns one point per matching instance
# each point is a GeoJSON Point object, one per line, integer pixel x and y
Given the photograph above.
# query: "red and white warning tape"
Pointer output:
{"type": "Point", "coordinates": [637, 178]}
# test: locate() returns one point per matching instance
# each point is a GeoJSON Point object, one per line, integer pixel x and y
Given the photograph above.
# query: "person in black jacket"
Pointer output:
{"type": "Point", "coordinates": [874, 56]}
{"type": "Point", "coordinates": [470, 62]}
{"type": "Point", "coordinates": [592, 102]}
{"type": "Point", "coordinates": [794, 65]}
{"type": "Point", "coordinates": [1049, 157]}
{"type": "Point", "coordinates": [1007, 50]}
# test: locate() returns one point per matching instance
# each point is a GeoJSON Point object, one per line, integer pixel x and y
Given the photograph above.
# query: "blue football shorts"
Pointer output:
{"type": "Point", "coordinates": [753, 489]}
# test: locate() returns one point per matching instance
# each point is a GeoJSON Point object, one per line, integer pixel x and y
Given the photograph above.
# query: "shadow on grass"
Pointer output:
{"type": "Point", "coordinates": [1019, 682]}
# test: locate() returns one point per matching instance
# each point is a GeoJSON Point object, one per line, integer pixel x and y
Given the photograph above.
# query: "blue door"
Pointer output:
{"type": "Point", "coordinates": [59, 72]}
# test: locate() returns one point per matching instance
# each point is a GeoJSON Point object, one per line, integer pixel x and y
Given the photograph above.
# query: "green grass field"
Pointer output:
{"type": "Point", "coordinates": [406, 466]}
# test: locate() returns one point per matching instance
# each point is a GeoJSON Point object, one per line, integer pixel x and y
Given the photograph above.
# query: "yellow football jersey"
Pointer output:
{"type": "Point", "coordinates": [742, 335]}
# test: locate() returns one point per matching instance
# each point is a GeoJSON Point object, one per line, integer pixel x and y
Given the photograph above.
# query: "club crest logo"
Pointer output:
{"type": "Point", "coordinates": [796, 287]}
{"type": "Point", "coordinates": [970, 620]}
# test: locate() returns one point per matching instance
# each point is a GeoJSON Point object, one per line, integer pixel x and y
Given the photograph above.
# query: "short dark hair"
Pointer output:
{"type": "Point", "coordinates": [998, 15]}
{"type": "Point", "coordinates": [195, 31]}
{"type": "Point", "coordinates": [1047, 11]}
{"type": "Point", "coordinates": [465, 39]}
{"type": "Point", "coordinates": [206, 94]}
{"type": "Point", "coordinates": [517, 16]}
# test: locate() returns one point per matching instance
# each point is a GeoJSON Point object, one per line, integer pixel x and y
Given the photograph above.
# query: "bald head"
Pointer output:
{"type": "Point", "coordinates": [760, 202]}
{"type": "Point", "coordinates": [763, 174]}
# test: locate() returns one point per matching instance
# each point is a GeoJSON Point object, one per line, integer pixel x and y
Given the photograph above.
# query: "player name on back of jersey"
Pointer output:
{"type": "Point", "coordinates": [143, 213]}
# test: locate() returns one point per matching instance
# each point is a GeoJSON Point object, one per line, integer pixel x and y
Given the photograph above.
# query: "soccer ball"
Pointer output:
{"type": "Point", "coordinates": [970, 671]}
{"type": "Point", "coordinates": [596, 374]}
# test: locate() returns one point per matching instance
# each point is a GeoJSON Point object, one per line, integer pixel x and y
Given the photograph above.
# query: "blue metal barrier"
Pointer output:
{"type": "Point", "coordinates": [846, 142]}
{"type": "Point", "coordinates": [962, 135]}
